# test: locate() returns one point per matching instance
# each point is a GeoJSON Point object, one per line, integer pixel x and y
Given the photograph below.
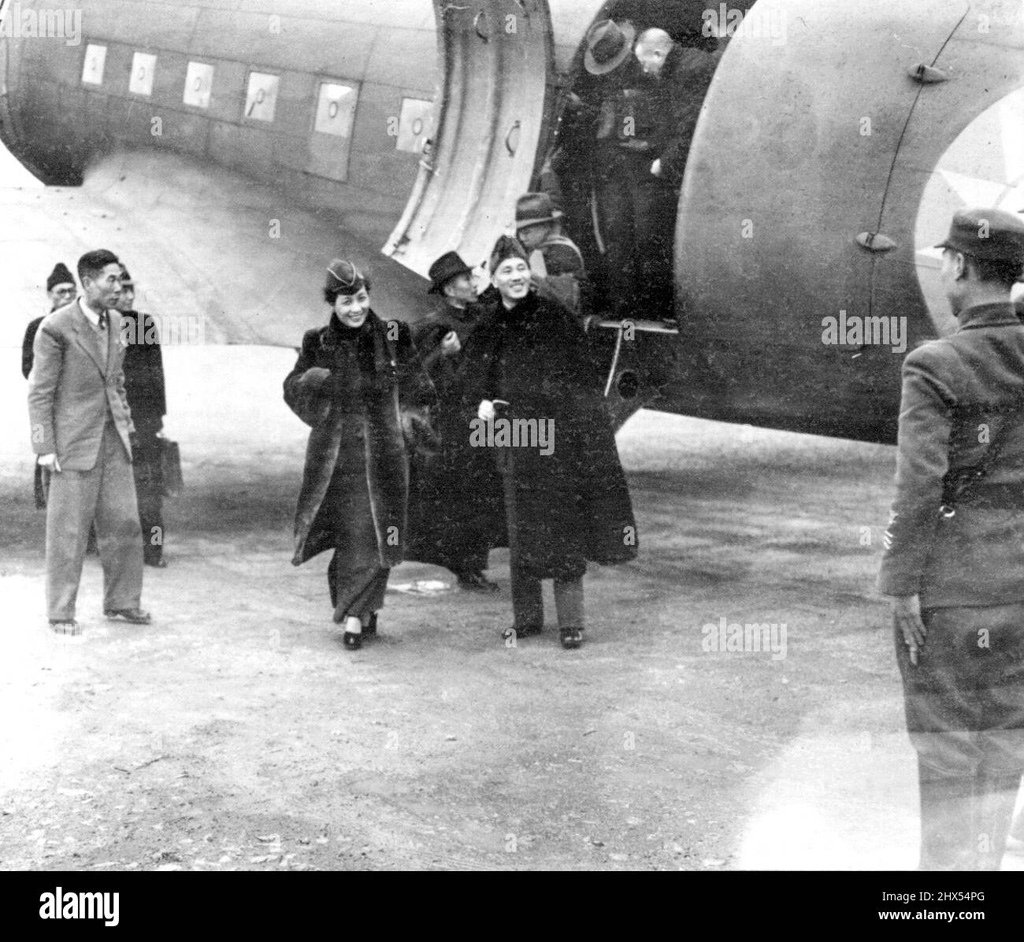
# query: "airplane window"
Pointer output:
{"type": "Point", "coordinates": [261, 100]}
{"type": "Point", "coordinates": [198, 85]}
{"type": "Point", "coordinates": [95, 59]}
{"type": "Point", "coordinates": [143, 67]}
{"type": "Point", "coordinates": [336, 109]}
{"type": "Point", "coordinates": [414, 124]}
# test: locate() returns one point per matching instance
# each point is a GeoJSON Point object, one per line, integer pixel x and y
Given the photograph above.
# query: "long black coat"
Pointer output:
{"type": "Point", "coordinates": [387, 377]}
{"type": "Point", "coordinates": [144, 373]}
{"type": "Point", "coordinates": [456, 513]}
{"type": "Point", "coordinates": [573, 504]}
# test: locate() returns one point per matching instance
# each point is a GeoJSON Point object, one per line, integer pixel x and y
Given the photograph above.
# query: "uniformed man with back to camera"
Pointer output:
{"type": "Point", "coordinates": [954, 550]}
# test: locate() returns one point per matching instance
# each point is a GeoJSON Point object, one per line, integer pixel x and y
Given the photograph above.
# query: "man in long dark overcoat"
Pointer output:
{"type": "Point", "coordinates": [147, 398]}
{"type": "Point", "coordinates": [954, 557]}
{"type": "Point", "coordinates": [566, 497]}
{"type": "Point", "coordinates": [455, 508]}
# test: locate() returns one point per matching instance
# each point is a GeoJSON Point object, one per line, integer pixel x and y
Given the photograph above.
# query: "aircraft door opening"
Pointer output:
{"type": "Point", "coordinates": [496, 60]}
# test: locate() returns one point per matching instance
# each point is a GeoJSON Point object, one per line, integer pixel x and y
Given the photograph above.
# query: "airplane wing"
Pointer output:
{"type": "Point", "coordinates": [216, 252]}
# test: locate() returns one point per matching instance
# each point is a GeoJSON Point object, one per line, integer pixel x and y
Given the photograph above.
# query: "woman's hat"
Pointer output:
{"type": "Point", "coordinates": [445, 268]}
{"type": "Point", "coordinates": [344, 278]}
{"type": "Point", "coordinates": [506, 247]}
{"type": "Point", "coordinates": [59, 276]}
{"type": "Point", "coordinates": [608, 46]}
{"type": "Point", "coordinates": [534, 208]}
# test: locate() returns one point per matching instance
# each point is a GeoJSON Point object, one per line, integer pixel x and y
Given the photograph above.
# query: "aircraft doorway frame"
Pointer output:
{"type": "Point", "coordinates": [493, 106]}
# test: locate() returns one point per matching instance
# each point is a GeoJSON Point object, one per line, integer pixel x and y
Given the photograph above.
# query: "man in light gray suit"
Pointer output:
{"type": "Point", "coordinates": [81, 429]}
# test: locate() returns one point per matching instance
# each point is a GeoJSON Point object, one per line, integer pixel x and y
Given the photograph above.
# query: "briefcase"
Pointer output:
{"type": "Point", "coordinates": [170, 468]}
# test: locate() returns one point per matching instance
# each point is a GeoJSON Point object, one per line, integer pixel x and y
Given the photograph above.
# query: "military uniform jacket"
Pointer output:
{"type": "Point", "coordinates": [961, 393]}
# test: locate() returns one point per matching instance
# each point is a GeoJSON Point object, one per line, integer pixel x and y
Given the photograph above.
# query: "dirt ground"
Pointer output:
{"type": "Point", "coordinates": [237, 733]}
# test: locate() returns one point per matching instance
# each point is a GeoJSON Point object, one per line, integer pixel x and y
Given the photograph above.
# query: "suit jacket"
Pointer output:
{"type": "Point", "coordinates": [71, 391]}
{"type": "Point", "coordinates": [960, 393]}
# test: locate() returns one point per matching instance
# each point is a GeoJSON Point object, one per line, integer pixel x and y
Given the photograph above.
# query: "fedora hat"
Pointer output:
{"type": "Point", "coordinates": [444, 269]}
{"type": "Point", "coordinates": [534, 208]}
{"type": "Point", "coordinates": [608, 46]}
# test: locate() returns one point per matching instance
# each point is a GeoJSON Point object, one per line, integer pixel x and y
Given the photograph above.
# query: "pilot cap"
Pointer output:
{"type": "Point", "coordinates": [60, 275]}
{"type": "Point", "coordinates": [506, 247]}
{"type": "Point", "coordinates": [344, 278]}
{"type": "Point", "coordinates": [992, 235]}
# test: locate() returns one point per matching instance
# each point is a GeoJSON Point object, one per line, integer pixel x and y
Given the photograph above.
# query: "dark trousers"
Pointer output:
{"type": "Point", "coordinates": [964, 706]}
{"type": "Point", "coordinates": [527, 592]}
{"type": "Point", "coordinates": [638, 214]}
{"type": "Point", "coordinates": [528, 601]}
{"type": "Point", "coordinates": [149, 488]}
{"type": "Point", "coordinates": [107, 494]}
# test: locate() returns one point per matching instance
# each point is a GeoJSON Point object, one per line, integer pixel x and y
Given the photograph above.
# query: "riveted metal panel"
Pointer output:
{"type": "Point", "coordinates": [790, 162]}
{"type": "Point", "coordinates": [964, 145]}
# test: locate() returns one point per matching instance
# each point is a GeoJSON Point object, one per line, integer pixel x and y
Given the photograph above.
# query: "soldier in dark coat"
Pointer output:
{"type": "Point", "coordinates": [352, 382]}
{"type": "Point", "coordinates": [144, 384]}
{"type": "Point", "coordinates": [455, 510]}
{"type": "Point", "coordinates": [565, 493]}
{"type": "Point", "coordinates": [60, 289]}
{"type": "Point", "coordinates": [954, 557]}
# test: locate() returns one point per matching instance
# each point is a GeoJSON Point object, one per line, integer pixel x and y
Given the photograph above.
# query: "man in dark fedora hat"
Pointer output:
{"type": "Point", "coordinates": [954, 558]}
{"type": "Point", "coordinates": [643, 134]}
{"type": "Point", "coordinates": [554, 258]}
{"type": "Point", "coordinates": [449, 521]}
{"type": "Point", "coordinates": [568, 171]}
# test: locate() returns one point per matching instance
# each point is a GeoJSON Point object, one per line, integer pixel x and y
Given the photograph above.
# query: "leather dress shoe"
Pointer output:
{"type": "Point", "coordinates": [352, 641]}
{"type": "Point", "coordinates": [135, 616]}
{"type": "Point", "coordinates": [476, 582]}
{"type": "Point", "coordinates": [157, 563]}
{"type": "Point", "coordinates": [70, 627]}
{"type": "Point", "coordinates": [570, 637]}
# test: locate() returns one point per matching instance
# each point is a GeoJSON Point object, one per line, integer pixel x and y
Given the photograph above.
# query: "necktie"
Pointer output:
{"type": "Point", "coordinates": [103, 320]}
